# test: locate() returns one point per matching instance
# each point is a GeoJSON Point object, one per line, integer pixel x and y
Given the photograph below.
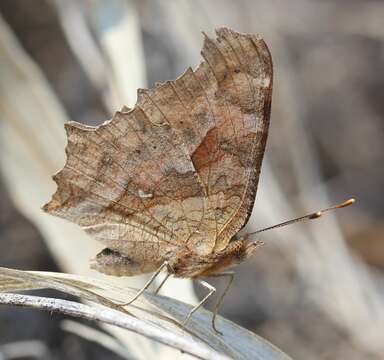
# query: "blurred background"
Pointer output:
{"type": "Point", "coordinates": [316, 290]}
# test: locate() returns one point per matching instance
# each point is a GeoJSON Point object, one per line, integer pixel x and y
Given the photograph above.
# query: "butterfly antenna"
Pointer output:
{"type": "Point", "coordinates": [312, 216]}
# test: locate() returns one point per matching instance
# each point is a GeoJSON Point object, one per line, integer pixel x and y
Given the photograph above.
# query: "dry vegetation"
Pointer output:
{"type": "Point", "coordinates": [316, 289]}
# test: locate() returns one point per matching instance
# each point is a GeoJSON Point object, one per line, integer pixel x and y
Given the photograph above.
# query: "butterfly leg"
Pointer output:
{"type": "Point", "coordinates": [150, 281]}
{"type": "Point", "coordinates": [231, 276]}
{"type": "Point", "coordinates": [211, 291]}
{"type": "Point", "coordinates": [169, 273]}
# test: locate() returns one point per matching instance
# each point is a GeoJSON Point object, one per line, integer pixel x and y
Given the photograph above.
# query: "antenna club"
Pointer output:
{"type": "Point", "coordinates": [315, 215]}
{"type": "Point", "coordinates": [347, 203]}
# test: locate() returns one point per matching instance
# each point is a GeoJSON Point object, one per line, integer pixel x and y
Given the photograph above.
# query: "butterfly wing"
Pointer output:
{"type": "Point", "coordinates": [180, 170]}
{"type": "Point", "coordinates": [221, 111]}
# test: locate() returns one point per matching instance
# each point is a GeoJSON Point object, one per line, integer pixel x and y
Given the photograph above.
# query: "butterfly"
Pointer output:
{"type": "Point", "coordinates": [171, 182]}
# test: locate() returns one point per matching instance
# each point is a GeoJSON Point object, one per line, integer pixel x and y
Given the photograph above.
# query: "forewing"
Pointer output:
{"type": "Point", "coordinates": [180, 170]}
{"type": "Point", "coordinates": [221, 111]}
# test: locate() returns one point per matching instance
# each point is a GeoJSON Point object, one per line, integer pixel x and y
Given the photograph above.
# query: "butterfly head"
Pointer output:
{"type": "Point", "coordinates": [251, 246]}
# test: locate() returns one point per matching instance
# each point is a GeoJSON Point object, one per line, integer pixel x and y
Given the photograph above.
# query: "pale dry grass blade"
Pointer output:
{"type": "Point", "coordinates": [31, 349]}
{"type": "Point", "coordinates": [117, 28]}
{"type": "Point", "coordinates": [72, 17]}
{"type": "Point", "coordinates": [110, 317]}
{"type": "Point", "coordinates": [157, 317]}
{"type": "Point", "coordinates": [32, 143]}
{"type": "Point", "coordinates": [340, 284]}
{"type": "Point", "coordinates": [91, 334]}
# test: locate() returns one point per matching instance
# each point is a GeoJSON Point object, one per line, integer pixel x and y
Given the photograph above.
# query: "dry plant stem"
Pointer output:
{"type": "Point", "coordinates": [105, 340]}
{"type": "Point", "coordinates": [112, 317]}
{"type": "Point", "coordinates": [57, 285]}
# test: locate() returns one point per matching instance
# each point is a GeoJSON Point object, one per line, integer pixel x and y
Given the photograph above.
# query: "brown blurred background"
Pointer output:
{"type": "Point", "coordinates": [316, 289]}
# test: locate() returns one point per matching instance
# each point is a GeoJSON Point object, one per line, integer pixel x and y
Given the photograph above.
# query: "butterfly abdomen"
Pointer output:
{"type": "Point", "coordinates": [111, 262]}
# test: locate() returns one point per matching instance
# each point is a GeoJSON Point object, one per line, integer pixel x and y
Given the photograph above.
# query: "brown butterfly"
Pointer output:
{"type": "Point", "coordinates": [169, 184]}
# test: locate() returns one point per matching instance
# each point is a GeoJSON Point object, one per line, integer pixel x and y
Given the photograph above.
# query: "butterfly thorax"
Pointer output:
{"type": "Point", "coordinates": [191, 265]}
